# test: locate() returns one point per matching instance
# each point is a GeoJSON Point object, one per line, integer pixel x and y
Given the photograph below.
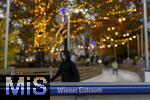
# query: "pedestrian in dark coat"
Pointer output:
{"type": "Point", "coordinates": [67, 69]}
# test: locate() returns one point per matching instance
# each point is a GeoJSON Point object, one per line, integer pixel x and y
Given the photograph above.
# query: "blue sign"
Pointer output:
{"type": "Point", "coordinates": [98, 90]}
{"type": "Point", "coordinates": [94, 44]}
{"type": "Point", "coordinates": [62, 11]}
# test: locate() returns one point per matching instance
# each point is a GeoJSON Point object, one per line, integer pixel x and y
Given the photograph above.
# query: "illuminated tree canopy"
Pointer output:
{"type": "Point", "coordinates": [110, 21]}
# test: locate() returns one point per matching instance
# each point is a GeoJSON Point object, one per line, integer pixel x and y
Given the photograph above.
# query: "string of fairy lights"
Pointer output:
{"type": "Point", "coordinates": [108, 41]}
{"type": "Point", "coordinates": [90, 16]}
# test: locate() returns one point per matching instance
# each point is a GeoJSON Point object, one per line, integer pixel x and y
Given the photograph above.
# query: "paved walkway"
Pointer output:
{"type": "Point", "coordinates": [123, 76]}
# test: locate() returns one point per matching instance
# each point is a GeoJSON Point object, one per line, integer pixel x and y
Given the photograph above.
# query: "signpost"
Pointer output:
{"type": "Point", "coordinates": [65, 14]}
{"type": "Point", "coordinates": [62, 12]}
{"type": "Point", "coordinates": [142, 47]}
{"type": "Point", "coordinates": [68, 31]}
{"type": "Point", "coordinates": [146, 35]}
{"type": "Point", "coordinates": [6, 36]}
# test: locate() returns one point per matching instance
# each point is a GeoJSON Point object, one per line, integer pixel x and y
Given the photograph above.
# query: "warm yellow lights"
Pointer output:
{"type": "Point", "coordinates": [123, 19]}
{"type": "Point", "coordinates": [116, 33]}
{"type": "Point", "coordinates": [104, 40]}
{"type": "Point", "coordinates": [134, 37]}
{"type": "Point", "coordinates": [79, 46]}
{"type": "Point", "coordinates": [123, 43]}
{"type": "Point", "coordinates": [41, 21]}
{"type": "Point", "coordinates": [113, 28]}
{"type": "Point", "coordinates": [108, 38]}
{"type": "Point", "coordinates": [101, 47]}
{"type": "Point", "coordinates": [112, 40]}
{"type": "Point", "coordinates": [108, 29]}
{"type": "Point", "coordinates": [52, 51]}
{"type": "Point", "coordinates": [57, 49]}
{"type": "Point", "coordinates": [120, 20]}
{"type": "Point", "coordinates": [128, 34]}
{"type": "Point", "coordinates": [130, 39]}
{"type": "Point", "coordinates": [109, 46]}
{"type": "Point", "coordinates": [39, 36]}
{"type": "Point", "coordinates": [116, 45]}
{"type": "Point", "coordinates": [124, 35]}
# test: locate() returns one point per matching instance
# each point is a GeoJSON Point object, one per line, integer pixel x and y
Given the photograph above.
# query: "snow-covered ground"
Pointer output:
{"type": "Point", "coordinates": [123, 76]}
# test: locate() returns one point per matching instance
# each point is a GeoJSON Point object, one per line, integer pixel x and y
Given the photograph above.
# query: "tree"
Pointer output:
{"type": "Point", "coordinates": [37, 22]}
{"type": "Point", "coordinates": [13, 47]}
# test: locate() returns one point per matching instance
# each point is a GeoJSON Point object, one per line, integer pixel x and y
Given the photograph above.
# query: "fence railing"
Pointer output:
{"type": "Point", "coordinates": [85, 72]}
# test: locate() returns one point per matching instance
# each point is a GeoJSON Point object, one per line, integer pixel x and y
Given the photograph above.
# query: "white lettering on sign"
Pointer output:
{"type": "Point", "coordinates": [76, 90]}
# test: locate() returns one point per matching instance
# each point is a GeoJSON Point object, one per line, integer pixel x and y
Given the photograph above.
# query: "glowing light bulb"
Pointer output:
{"type": "Point", "coordinates": [108, 29]}
{"type": "Point", "coordinates": [77, 10]}
{"type": "Point", "coordinates": [116, 33]}
{"type": "Point", "coordinates": [134, 37]}
{"type": "Point", "coordinates": [79, 46]}
{"type": "Point", "coordinates": [82, 47]}
{"type": "Point", "coordinates": [104, 40]}
{"type": "Point", "coordinates": [113, 28]}
{"type": "Point", "coordinates": [52, 51]}
{"type": "Point", "coordinates": [124, 35]}
{"type": "Point", "coordinates": [123, 19]}
{"type": "Point", "coordinates": [116, 45]}
{"type": "Point", "coordinates": [109, 46]}
{"type": "Point", "coordinates": [130, 39]}
{"type": "Point", "coordinates": [135, 9]}
{"type": "Point", "coordinates": [53, 48]}
{"type": "Point", "coordinates": [120, 20]}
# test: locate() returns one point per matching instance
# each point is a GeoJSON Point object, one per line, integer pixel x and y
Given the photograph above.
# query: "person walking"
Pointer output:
{"type": "Point", "coordinates": [106, 64]}
{"type": "Point", "coordinates": [115, 67]}
{"type": "Point", "coordinates": [67, 69]}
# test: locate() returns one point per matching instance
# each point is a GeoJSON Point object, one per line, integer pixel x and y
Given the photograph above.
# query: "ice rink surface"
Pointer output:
{"type": "Point", "coordinates": [123, 76]}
